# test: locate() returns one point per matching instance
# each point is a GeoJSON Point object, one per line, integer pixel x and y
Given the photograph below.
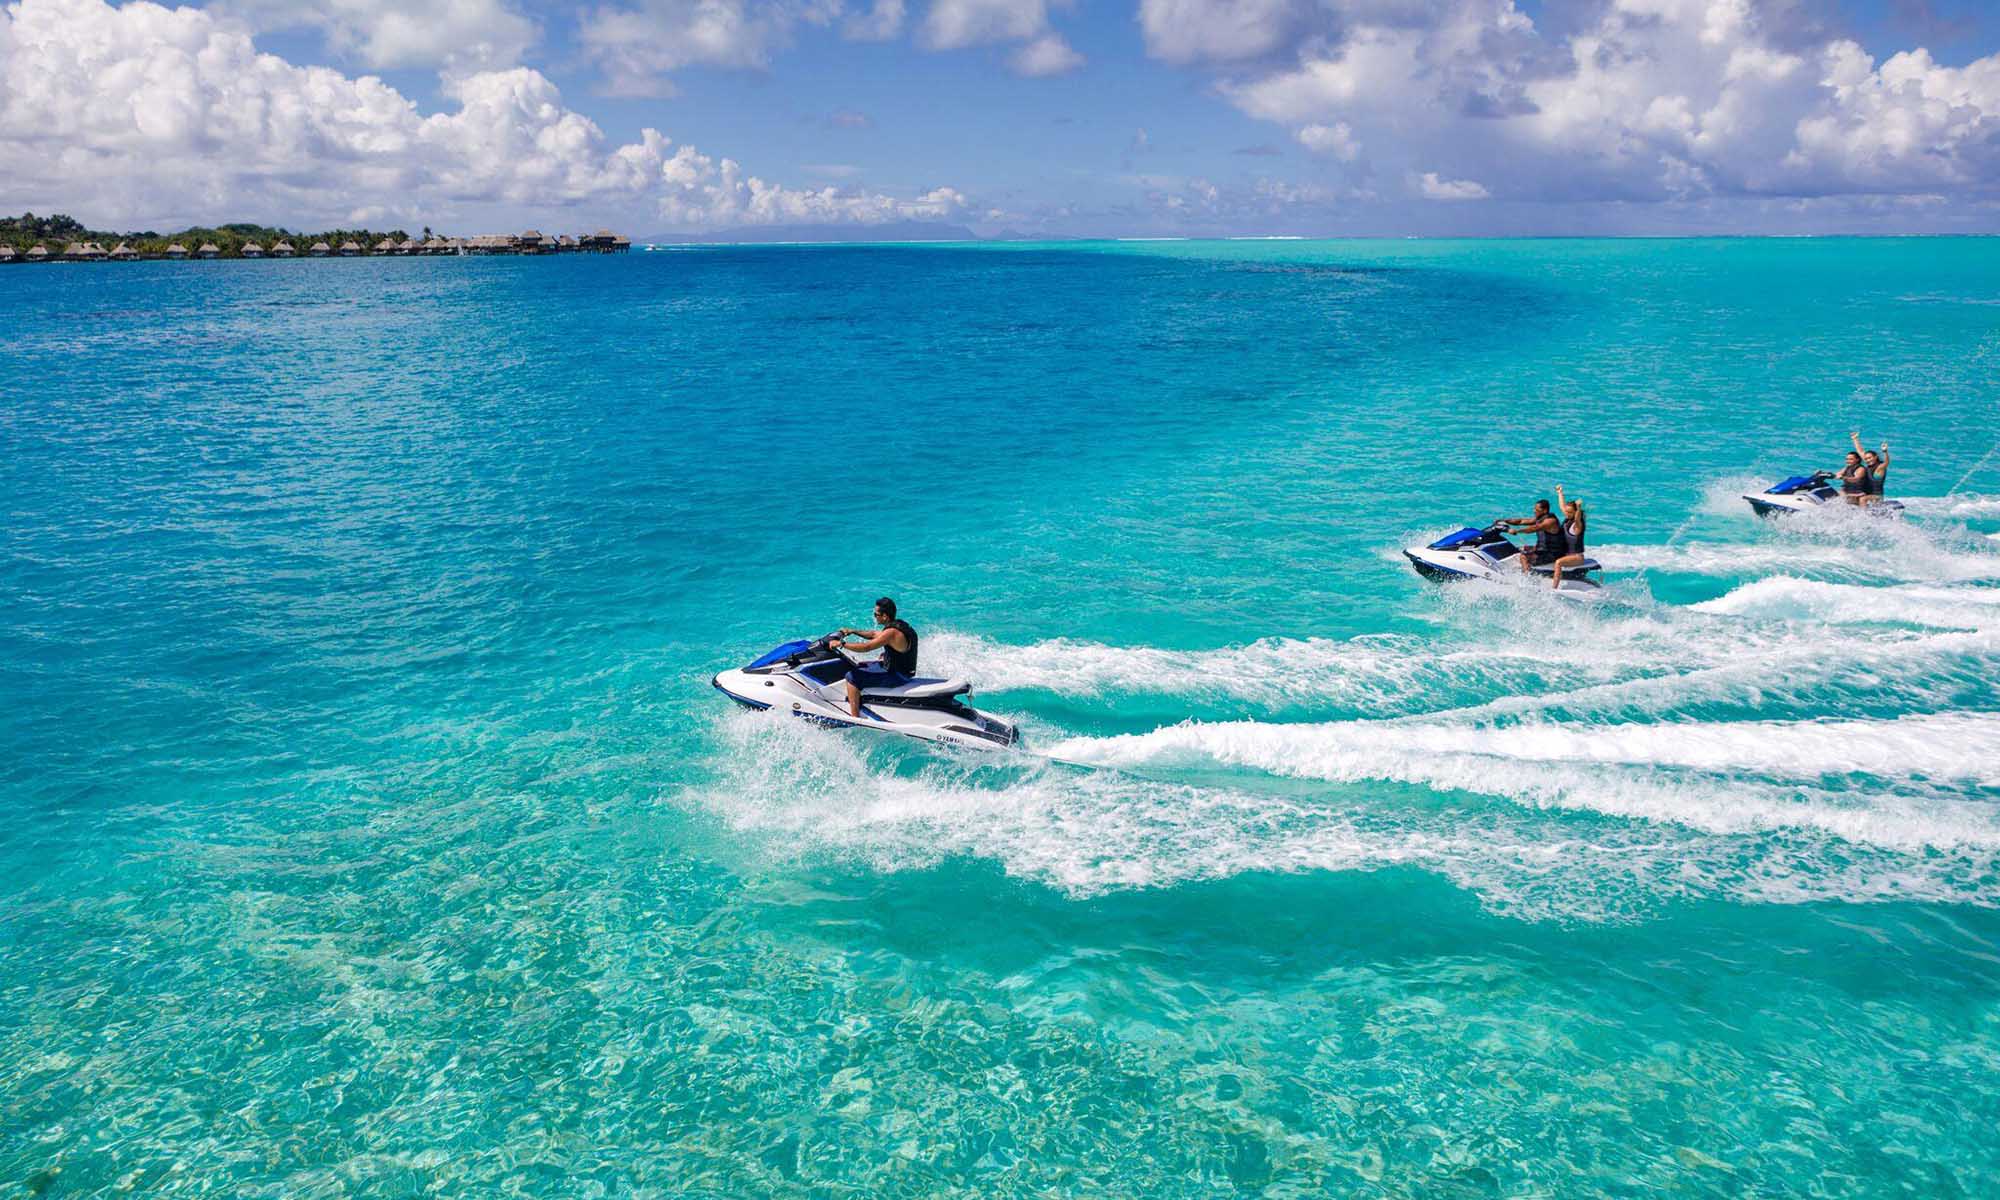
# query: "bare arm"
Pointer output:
{"type": "Point", "coordinates": [1855, 437]}
{"type": "Point", "coordinates": [875, 641]}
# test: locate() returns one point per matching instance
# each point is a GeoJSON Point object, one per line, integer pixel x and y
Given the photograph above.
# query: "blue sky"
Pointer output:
{"type": "Point", "coordinates": [1149, 117]}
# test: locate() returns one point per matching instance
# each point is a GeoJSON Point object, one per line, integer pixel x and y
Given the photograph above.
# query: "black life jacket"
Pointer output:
{"type": "Point", "coordinates": [903, 662]}
{"type": "Point", "coordinates": [1551, 542]}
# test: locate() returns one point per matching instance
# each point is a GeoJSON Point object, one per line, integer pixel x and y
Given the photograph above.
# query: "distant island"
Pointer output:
{"type": "Point", "coordinates": [28, 238]}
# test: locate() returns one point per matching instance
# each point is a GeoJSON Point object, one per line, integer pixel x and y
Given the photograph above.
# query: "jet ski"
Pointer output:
{"type": "Point", "coordinates": [1487, 554]}
{"type": "Point", "coordinates": [1803, 493]}
{"type": "Point", "coordinates": [808, 679]}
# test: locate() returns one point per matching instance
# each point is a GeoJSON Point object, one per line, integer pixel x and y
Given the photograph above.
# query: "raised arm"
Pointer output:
{"type": "Point", "coordinates": [1855, 437]}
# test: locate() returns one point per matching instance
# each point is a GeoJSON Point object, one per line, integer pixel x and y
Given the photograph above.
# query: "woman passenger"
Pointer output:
{"type": "Point", "coordinates": [1573, 524]}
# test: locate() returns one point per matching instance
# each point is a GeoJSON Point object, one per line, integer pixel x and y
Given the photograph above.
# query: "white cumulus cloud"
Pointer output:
{"type": "Point", "coordinates": [385, 34]}
{"type": "Point", "coordinates": [147, 114]}
{"type": "Point", "coordinates": [958, 24]}
{"type": "Point", "coordinates": [1335, 139]}
{"type": "Point", "coordinates": [1631, 100]}
{"type": "Point", "coordinates": [1046, 55]}
{"type": "Point", "coordinates": [1433, 188]}
{"type": "Point", "coordinates": [638, 47]}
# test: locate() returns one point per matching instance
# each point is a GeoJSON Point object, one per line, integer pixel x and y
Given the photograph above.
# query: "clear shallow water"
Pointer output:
{"type": "Point", "coordinates": [370, 827]}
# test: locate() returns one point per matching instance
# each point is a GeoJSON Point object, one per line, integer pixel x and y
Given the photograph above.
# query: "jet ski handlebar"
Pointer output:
{"type": "Point", "coordinates": [831, 643]}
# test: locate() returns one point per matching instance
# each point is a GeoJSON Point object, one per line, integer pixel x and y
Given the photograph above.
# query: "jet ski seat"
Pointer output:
{"type": "Point", "coordinates": [922, 689]}
{"type": "Point", "coordinates": [1588, 564]}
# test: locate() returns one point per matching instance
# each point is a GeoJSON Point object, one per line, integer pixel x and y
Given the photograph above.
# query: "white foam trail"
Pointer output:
{"type": "Point", "coordinates": [1786, 598]}
{"type": "Point", "coordinates": [1268, 669]}
{"type": "Point", "coordinates": [1962, 506]}
{"type": "Point", "coordinates": [1959, 747]}
{"type": "Point", "coordinates": [1373, 672]}
{"type": "Point", "coordinates": [1724, 497]}
{"type": "Point", "coordinates": [802, 792]}
{"type": "Point", "coordinates": [1563, 767]}
{"type": "Point", "coordinates": [1929, 669]}
{"type": "Point", "coordinates": [1896, 558]}
{"type": "Point", "coordinates": [1645, 664]}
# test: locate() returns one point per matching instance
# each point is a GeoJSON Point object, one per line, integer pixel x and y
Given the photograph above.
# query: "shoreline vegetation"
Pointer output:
{"type": "Point", "coordinates": [28, 239]}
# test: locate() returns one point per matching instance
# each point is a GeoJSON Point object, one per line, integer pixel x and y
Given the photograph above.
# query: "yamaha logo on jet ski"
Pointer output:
{"type": "Point", "coordinates": [808, 679]}
{"type": "Point", "coordinates": [1486, 554]}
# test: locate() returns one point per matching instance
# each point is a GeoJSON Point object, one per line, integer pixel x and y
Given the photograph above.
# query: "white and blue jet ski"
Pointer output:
{"type": "Point", "coordinates": [808, 679]}
{"type": "Point", "coordinates": [1803, 493]}
{"type": "Point", "coordinates": [1487, 555]}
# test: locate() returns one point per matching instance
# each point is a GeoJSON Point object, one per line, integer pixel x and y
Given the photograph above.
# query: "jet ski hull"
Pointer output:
{"type": "Point", "coordinates": [1806, 493]}
{"type": "Point", "coordinates": [1495, 561]}
{"type": "Point", "coordinates": [941, 718]}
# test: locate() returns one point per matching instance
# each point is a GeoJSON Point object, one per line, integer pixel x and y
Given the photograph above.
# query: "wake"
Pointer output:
{"type": "Point", "coordinates": [1828, 729]}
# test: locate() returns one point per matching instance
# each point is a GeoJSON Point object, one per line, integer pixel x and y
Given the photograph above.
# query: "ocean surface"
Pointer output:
{"type": "Point", "coordinates": [369, 827]}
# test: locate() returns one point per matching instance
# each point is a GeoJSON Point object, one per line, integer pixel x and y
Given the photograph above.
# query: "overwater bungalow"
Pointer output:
{"type": "Point", "coordinates": [437, 245]}
{"type": "Point", "coordinates": [83, 252]}
{"type": "Point", "coordinates": [252, 250]}
{"type": "Point", "coordinates": [7, 254]}
{"type": "Point", "coordinates": [209, 250]}
{"type": "Point", "coordinates": [567, 244]}
{"type": "Point", "coordinates": [38, 254]}
{"type": "Point", "coordinates": [177, 252]}
{"type": "Point", "coordinates": [124, 253]}
{"type": "Point", "coordinates": [320, 250]}
{"type": "Point", "coordinates": [386, 246]}
{"type": "Point", "coordinates": [606, 242]}
{"type": "Point", "coordinates": [350, 248]}
{"type": "Point", "coordinates": [281, 250]}
{"type": "Point", "coordinates": [410, 246]}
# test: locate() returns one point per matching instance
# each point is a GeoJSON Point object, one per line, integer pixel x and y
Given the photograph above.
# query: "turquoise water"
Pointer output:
{"type": "Point", "coordinates": [368, 825]}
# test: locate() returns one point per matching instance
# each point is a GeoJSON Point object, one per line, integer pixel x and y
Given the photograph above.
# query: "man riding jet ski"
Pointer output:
{"type": "Point", "coordinates": [823, 680]}
{"type": "Point", "coordinates": [1487, 554]}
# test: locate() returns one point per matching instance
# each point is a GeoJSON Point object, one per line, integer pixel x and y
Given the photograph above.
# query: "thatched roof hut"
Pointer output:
{"type": "Point", "coordinates": [124, 253]}
{"type": "Point", "coordinates": [409, 246]}
{"type": "Point", "coordinates": [209, 250]}
{"type": "Point", "coordinates": [38, 254]}
{"type": "Point", "coordinates": [386, 246]}
{"type": "Point", "coordinates": [83, 251]}
{"type": "Point", "coordinates": [282, 249]}
{"type": "Point", "coordinates": [252, 250]}
{"type": "Point", "coordinates": [350, 246]}
{"type": "Point", "coordinates": [321, 248]}
{"type": "Point", "coordinates": [6, 254]}
{"type": "Point", "coordinates": [177, 251]}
